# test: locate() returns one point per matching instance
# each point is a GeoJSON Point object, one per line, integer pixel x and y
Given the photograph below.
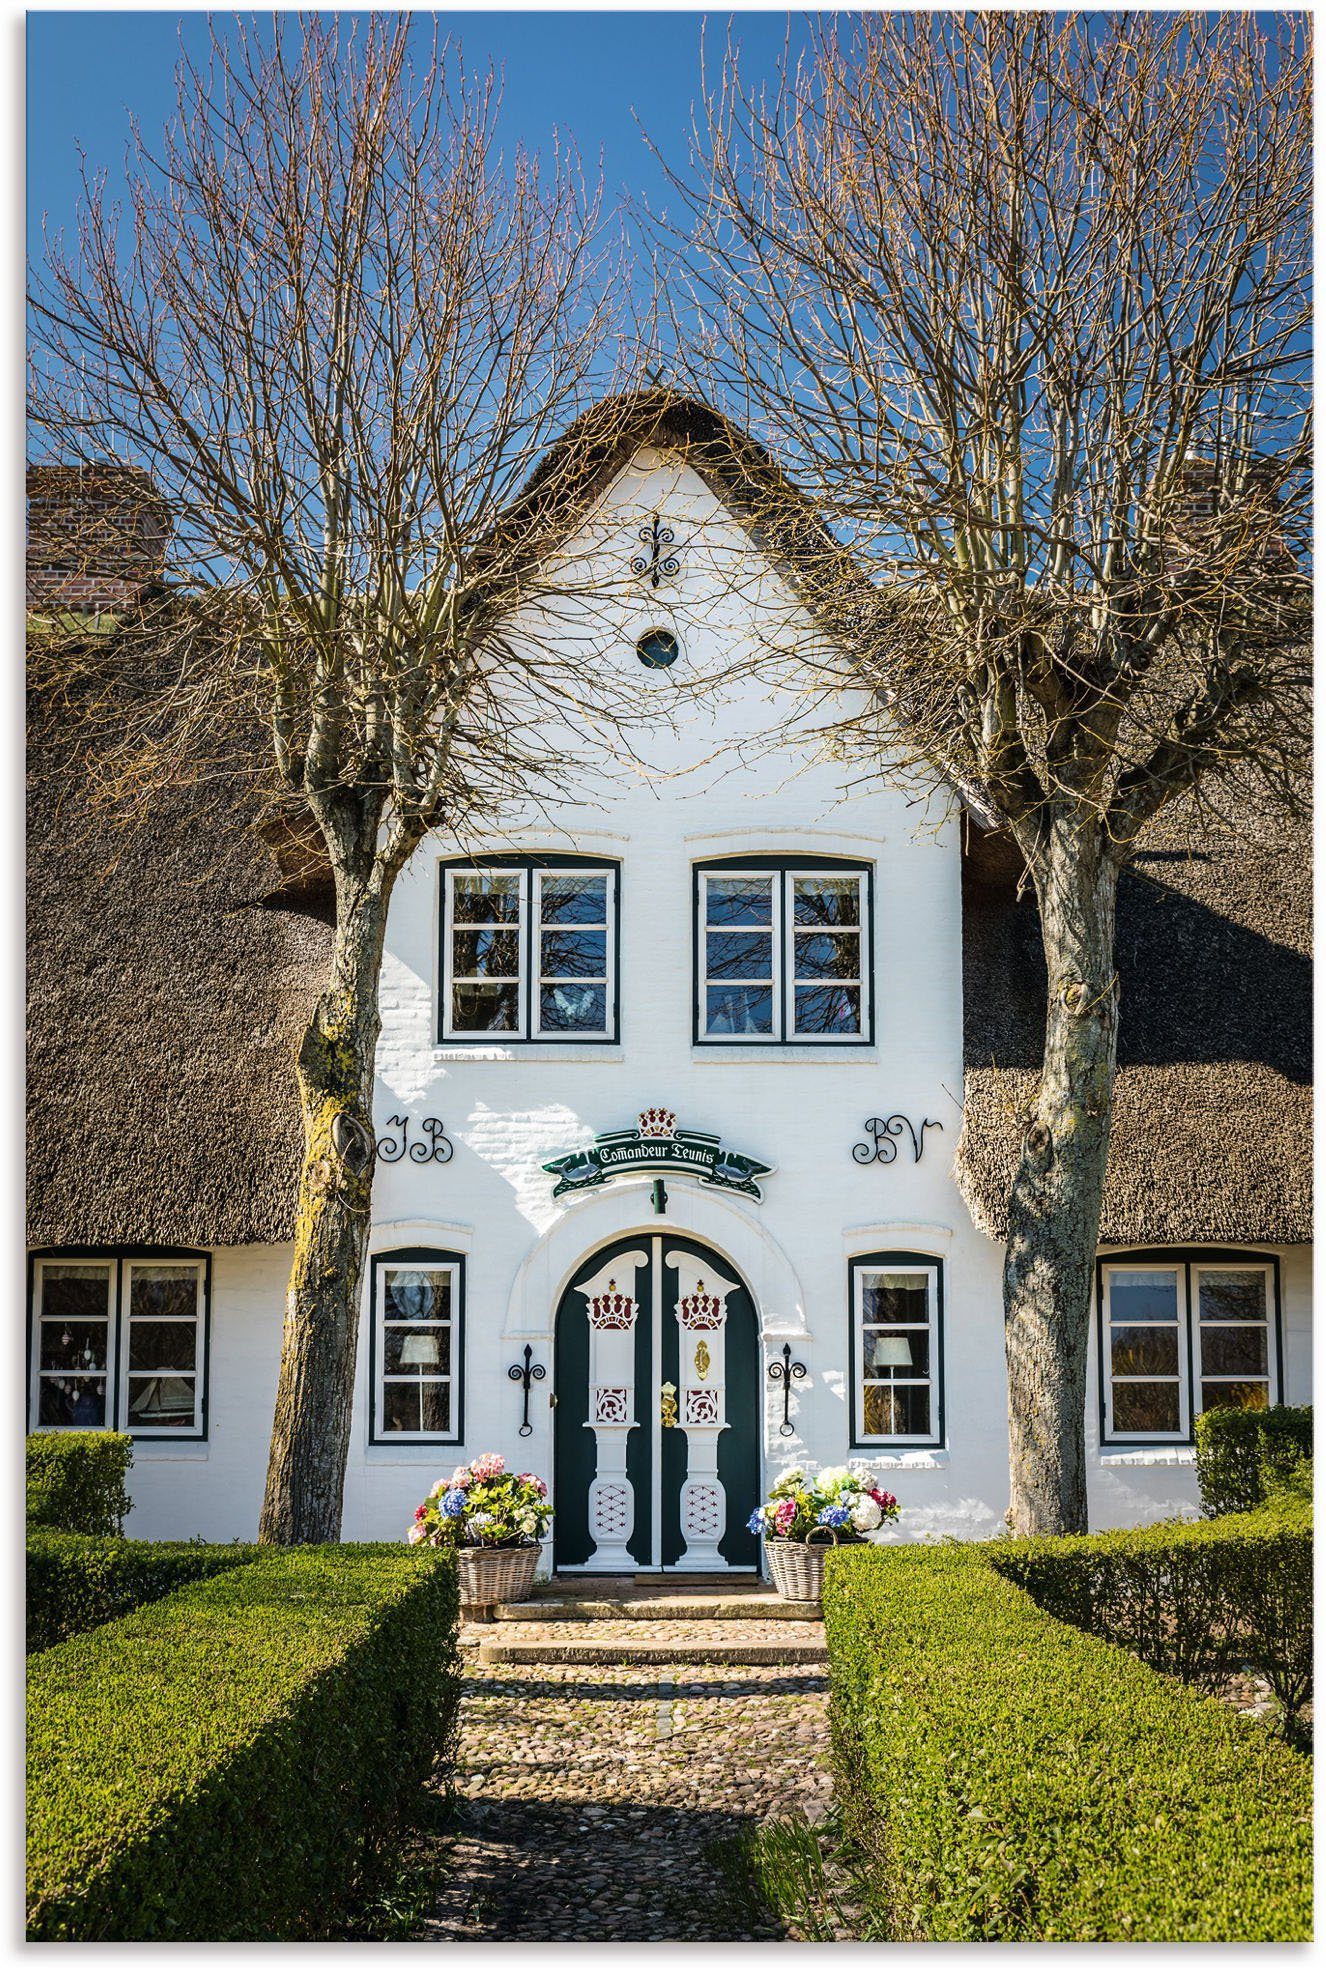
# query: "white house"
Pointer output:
{"type": "Point", "coordinates": [693, 1110]}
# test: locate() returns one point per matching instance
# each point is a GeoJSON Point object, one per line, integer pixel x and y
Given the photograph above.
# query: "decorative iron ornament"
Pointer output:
{"type": "Point", "coordinates": [885, 1136]}
{"type": "Point", "coordinates": [657, 565]}
{"type": "Point", "coordinates": [433, 1148]}
{"type": "Point", "coordinates": [785, 1371]}
{"type": "Point", "coordinates": [525, 1374]}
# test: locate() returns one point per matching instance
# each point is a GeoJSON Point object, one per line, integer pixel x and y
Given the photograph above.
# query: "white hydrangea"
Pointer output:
{"type": "Point", "coordinates": [866, 1514]}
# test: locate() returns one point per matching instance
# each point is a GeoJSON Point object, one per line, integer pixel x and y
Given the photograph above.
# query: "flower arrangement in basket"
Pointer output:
{"type": "Point", "coordinates": [493, 1519]}
{"type": "Point", "coordinates": [805, 1514]}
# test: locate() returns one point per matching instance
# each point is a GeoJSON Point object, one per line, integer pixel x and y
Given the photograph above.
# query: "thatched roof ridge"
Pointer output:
{"type": "Point", "coordinates": [1212, 1131]}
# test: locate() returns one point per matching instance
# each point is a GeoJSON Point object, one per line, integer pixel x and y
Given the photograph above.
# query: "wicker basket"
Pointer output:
{"type": "Point", "coordinates": [495, 1578]}
{"type": "Point", "coordinates": [798, 1569]}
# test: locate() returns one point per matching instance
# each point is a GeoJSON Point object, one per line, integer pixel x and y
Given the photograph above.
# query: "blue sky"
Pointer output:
{"type": "Point", "coordinates": [88, 73]}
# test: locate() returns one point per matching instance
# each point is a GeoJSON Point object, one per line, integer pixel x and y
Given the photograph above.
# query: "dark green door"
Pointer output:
{"type": "Point", "coordinates": [656, 1438]}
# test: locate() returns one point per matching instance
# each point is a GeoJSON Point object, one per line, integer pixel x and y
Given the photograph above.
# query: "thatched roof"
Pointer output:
{"type": "Point", "coordinates": [1212, 1131]}
{"type": "Point", "coordinates": [164, 1006]}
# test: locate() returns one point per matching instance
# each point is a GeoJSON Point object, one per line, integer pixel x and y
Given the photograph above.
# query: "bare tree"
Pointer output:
{"type": "Point", "coordinates": [338, 328]}
{"type": "Point", "coordinates": [1022, 301]}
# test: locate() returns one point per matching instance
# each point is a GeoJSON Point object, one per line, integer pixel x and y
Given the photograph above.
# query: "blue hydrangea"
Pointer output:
{"type": "Point", "coordinates": [453, 1503]}
{"type": "Point", "coordinates": [755, 1522]}
{"type": "Point", "coordinates": [835, 1515]}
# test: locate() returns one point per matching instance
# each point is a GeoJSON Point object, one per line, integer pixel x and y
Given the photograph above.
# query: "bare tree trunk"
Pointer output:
{"type": "Point", "coordinates": [315, 1390]}
{"type": "Point", "coordinates": [1054, 1219]}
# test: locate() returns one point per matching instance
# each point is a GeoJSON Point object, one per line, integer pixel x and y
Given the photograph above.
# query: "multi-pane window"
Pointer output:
{"type": "Point", "coordinates": [1183, 1333]}
{"type": "Point", "coordinates": [417, 1335]}
{"type": "Point", "coordinates": [529, 952]}
{"type": "Point", "coordinates": [783, 954]}
{"type": "Point", "coordinates": [895, 1312]}
{"type": "Point", "coordinates": [120, 1342]}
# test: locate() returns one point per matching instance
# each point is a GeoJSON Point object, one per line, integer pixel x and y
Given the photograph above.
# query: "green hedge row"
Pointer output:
{"type": "Point", "coordinates": [1200, 1600]}
{"type": "Point", "coordinates": [1242, 1453]}
{"type": "Point", "coordinates": [223, 1765]}
{"type": "Point", "coordinates": [76, 1481]}
{"type": "Point", "coordinates": [1014, 1779]}
{"type": "Point", "coordinates": [75, 1583]}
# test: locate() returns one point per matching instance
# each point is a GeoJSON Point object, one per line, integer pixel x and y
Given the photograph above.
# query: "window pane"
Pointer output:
{"type": "Point", "coordinates": [739, 899]}
{"type": "Point", "coordinates": [896, 1410]}
{"type": "Point", "coordinates": [833, 901]}
{"type": "Point", "coordinates": [738, 954]}
{"type": "Point", "coordinates": [1144, 1349]}
{"type": "Point", "coordinates": [1231, 1294]}
{"type": "Point", "coordinates": [67, 1402]}
{"type": "Point", "coordinates": [739, 1009]}
{"type": "Point", "coordinates": [426, 1351]}
{"type": "Point", "coordinates": [485, 953]}
{"type": "Point", "coordinates": [573, 1008]}
{"type": "Point", "coordinates": [834, 1008]}
{"type": "Point", "coordinates": [574, 953]}
{"type": "Point", "coordinates": [417, 1295]}
{"type": "Point", "coordinates": [573, 899]}
{"type": "Point", "coordinates": [1137, 1295]}
{"type": "Point", "coordinates": [895, 1297]}
{"type": "Point", "coordinates": [164, 1291]}
{"type": "Point", "coordinates": [485, 898]}
{"type": "Point", "coordinates": [73, 1343]}
{"type": "Point", "coordinates": [155, 1345]}
{"type": "Point", "coordinates": [906, 1353]}
{"type": "Point", "coordinates": [1233, 1349]}
{"type": "Point", "coordinates": [75, 1291]}
{"type": "Point", "coordinates": [161, 1401]}
{"type": "Point", "coordinates": [1234, 1394]}
{"type": "Point", "coordinates": [485, 1007]}
{"type": "Point", "coordinates": [818, 955]}
{"type": "Point", "coordinates": [416, 1407]}
{"type": "Point", "coordinates": [1146, 1407]}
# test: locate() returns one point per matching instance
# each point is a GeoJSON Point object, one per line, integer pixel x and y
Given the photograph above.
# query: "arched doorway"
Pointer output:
{"type": "Point", "coordinates": [656, 1427]}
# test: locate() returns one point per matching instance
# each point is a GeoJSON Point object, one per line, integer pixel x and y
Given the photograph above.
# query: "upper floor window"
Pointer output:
{"type": "Point", "coordinates": [783, 953]}
{"type": "Point", "coordinates": [1182, 1332]}
{"type": "Point", "coordinates": [120, 1342]}
{"type": "Point", "coordinates": [896, 1305]}
{"type": "Point", "coordinates": [529, 950]}
{"type": "Point", "coordinates": [417, 1337]}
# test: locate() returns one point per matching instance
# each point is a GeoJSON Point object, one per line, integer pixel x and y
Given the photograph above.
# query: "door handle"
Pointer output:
{"type": "Point", "coordinates": [667, 1404]}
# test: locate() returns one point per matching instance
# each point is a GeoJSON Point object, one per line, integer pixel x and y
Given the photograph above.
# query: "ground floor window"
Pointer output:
{"type": "Point", "coordinates": [896, 1309]}
{"type": "Point", "coordinates": [417, 1336]}
{"type": "Point", "coordinates": [120, 1341]}
{"type": "Point", "coordinates": [1183, 1331]}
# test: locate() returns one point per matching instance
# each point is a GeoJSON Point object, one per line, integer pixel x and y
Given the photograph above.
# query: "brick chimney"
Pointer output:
{"type": "Point", "coordinates": [96, 536]}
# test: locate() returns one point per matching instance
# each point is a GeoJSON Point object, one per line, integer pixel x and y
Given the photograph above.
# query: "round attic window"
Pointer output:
{"type": "Point", "coordinates": [658, 649]}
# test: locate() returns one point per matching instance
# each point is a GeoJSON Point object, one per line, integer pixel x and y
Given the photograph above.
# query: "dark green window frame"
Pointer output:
{"type": "Point", "coordinates": [530, 865]}
{"type": "Point", "coordinates": [784, 866]}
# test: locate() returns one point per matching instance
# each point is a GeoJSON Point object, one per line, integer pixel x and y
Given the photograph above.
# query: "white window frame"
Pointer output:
{"type": "Point", "coordinates": [379, 1434]}
{"type": "Point", "coordinates": [783, 933]}
{"type": "Point", "coordinates": [147, 1431]}
{"type": "Point", "coordinates": [119, 1268]}
{"type": "Point", "coordinates": [39, 1268]}
{"type": "Point", "coordinates": [1182, 1377]}
{"type": "Point", "coordinates": [529, 1027]}
{"type": "Point", "coordinates": [1200, 1267]}
{"type": "Point", "coordinates": [865, 1267]}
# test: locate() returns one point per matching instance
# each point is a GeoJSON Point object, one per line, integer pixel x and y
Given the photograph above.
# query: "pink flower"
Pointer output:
{"type": "Point", "coordinates": [485, 1466]}
{"type": "Point", "coordinates": [416, 1534]}
{"type": "Point", "coordinates": [884, 1500]}
{"type": "Point", "coordinates": [460, 1478]}
{"type": "Point", "coordinates": [784, 1515]}
{"type": "Point", "coordinates": [422, 1511]}
{"type": "Point", "coordinates": [527, 1476]}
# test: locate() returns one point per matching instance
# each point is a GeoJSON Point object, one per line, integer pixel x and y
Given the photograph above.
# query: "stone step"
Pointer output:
{"type": "Point", "coordinates": [622, 1643]}
{"type": "Point", "coordinates": [669, 1606]}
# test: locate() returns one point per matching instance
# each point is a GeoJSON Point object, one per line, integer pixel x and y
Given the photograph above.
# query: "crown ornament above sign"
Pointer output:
{"type": "Point", "coordinates": [656, 1143]}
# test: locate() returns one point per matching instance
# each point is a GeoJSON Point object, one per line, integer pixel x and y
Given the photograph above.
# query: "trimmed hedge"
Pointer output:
{"type": "Point", "coordinates": [1200, 1600]}
{"type": "Point", "coordinates": [76, 1481]}
{"type": "Point", "coordinates": [1014, 1779]}
{"type": "Point", "coordinates": [1243, 1451]}
{"type": "Point", "coordinates": [224, 1764]}
{"type": "Point", "coordinates": [75, 1583]}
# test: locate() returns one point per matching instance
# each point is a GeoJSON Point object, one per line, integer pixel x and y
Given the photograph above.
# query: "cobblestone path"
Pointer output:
{"type": "Point", "coordinates": [590, 1796]}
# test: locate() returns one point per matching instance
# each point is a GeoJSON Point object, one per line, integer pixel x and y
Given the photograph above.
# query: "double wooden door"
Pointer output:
{"type": "Point", "coordinates": [657, 1461]}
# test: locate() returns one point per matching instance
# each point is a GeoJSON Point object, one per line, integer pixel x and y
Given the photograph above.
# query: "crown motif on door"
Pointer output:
{"type": "Point", "coordinates": [657, 1124]}
{"type": "Point", "coordinates": [700, 1310]}
{"type": "Point", "coordinates": [612, 1311]}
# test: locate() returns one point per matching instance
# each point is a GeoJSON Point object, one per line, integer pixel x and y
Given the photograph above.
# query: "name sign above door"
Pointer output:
{"type": "Point", "coordinates": [653, 1145]}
